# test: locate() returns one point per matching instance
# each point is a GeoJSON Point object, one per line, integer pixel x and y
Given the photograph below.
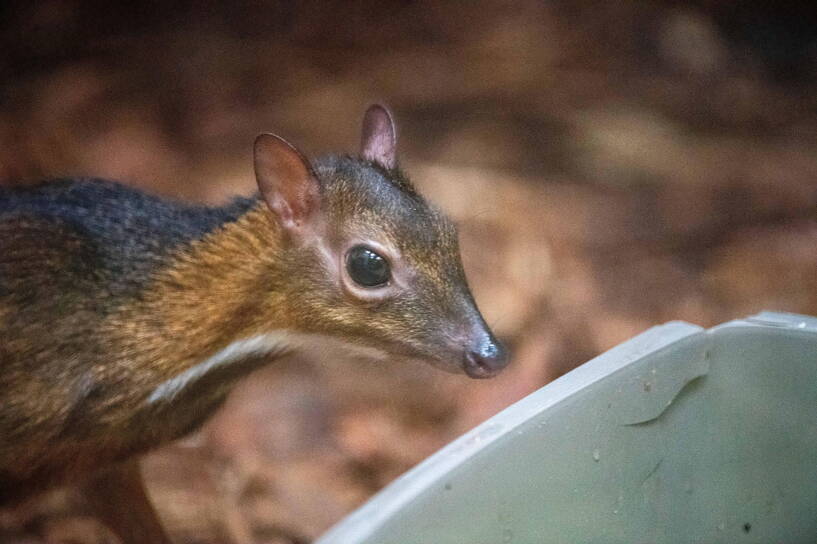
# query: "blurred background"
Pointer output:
{"type": "Point", "coordinates": [612, 166]}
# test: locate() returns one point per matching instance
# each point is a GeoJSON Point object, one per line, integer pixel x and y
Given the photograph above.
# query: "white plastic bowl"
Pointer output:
{"type": "Point", "coordinates": [679, 435]}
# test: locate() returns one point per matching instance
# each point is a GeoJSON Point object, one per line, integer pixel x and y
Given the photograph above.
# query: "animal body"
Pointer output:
{"type": "Point", "coordinates": [126, 318]}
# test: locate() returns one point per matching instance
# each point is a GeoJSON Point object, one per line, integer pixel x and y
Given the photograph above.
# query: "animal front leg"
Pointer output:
{"type": "Point", "coordinates": [117, 496]}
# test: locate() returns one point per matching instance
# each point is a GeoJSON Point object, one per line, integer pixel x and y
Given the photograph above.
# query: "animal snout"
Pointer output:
{"type": "Point", "coordinates": [486, 358]}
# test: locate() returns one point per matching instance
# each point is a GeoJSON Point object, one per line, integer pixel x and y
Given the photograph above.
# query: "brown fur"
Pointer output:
{"type": "Point", "coordinates": [90, 334]}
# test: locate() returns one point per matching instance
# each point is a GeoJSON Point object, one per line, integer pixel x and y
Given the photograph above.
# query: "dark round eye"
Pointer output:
{"type": "Point", "coordinates": [367, 267]}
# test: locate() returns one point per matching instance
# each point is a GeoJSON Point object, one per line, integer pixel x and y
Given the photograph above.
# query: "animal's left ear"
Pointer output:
{"type": "Point", "coordinates": [287, 183]}
{"type": "Point", "coordinates": [379, 140]}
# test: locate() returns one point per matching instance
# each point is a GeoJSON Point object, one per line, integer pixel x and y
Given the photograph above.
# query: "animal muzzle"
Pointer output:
{"type": "Point", "coordinates": [485, 358]}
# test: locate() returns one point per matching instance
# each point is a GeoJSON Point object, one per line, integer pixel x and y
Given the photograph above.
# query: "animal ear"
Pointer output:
{"type": "Point", "coordinates": [379, 140]}
{"type": "Point", "coordinates": [286, 182]}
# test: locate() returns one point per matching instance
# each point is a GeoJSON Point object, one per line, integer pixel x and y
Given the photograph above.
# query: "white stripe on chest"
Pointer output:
{"type": "Point", "coordinates": [255, 346]}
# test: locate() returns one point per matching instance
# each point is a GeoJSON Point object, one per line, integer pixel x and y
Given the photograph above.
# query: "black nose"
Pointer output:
{"type": "Point", "coordinates": [486, 359]}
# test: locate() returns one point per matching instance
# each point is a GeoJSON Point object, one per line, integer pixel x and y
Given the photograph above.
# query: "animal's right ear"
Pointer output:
{"type": "Point", "coordinates": [287, 182]}
{"type": "Point", "coordinates": [378, 142]}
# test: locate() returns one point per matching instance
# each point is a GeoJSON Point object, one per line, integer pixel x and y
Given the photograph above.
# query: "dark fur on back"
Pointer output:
{"type": "Point", "coordinates": [129, 231]}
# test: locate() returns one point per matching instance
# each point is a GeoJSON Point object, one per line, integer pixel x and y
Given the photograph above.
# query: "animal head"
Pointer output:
{"type": "Point", "coordinates": [368, 259]}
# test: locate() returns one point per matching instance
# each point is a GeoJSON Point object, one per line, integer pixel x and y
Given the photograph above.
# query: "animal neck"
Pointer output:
{"type": "Point", "coordinates": [226, 289]}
